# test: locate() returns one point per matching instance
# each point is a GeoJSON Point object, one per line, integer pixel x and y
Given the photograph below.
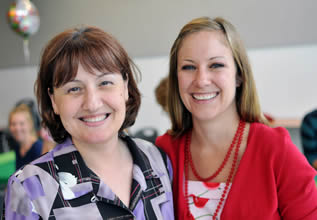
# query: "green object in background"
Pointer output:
{"type": "Point", "coordinates": [7, 166]}
{"type": "Point", "coordinates": [316, 180]}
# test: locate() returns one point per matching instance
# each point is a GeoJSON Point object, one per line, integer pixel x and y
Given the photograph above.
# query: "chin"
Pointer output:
{"type": "Point", "coordinates": [97, 139]}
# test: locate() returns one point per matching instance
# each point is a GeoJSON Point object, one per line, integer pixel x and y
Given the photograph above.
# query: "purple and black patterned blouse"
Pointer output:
{"type": "Point", "coordinates": [60, 186]}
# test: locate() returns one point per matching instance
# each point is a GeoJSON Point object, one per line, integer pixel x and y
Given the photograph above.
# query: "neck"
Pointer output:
{"type": "Point", "coordinates": [103, 157]}
{"type": "Point", "coordinates": [26, 144]}
{"type": "Point", "coordinates": [216, 133]}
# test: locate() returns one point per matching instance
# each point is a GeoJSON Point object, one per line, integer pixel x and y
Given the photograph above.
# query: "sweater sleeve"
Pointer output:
{"type": "Point", "coordinates": [296, 188]}
{"type": "Point", "coordinates": [169, 147]}
{"type": "Point", "coordinates": [18, 203]}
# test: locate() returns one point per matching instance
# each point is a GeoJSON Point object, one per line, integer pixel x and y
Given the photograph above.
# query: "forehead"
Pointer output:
{"type": "Point", "coordinates": [19, 116]}
{"type": "Point", "coordinates": [204, 42]}
{"type": "Point", "coordinates": [66, 70]}
{"type": "Point", "coordinates": [82, 72]}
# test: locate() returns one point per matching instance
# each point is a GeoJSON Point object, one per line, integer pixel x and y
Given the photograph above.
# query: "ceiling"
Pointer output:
{"type": "Point", "coordinates": [147, 28]}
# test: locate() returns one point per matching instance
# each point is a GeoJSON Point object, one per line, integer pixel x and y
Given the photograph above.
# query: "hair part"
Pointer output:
{"type": "Point", "coordinates": [247, 101]}
{"type": "Point", "coordinates": [94, 49]}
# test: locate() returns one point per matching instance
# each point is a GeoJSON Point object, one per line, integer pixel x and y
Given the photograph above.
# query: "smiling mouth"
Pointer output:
{"type": "Point", "coordinates": [203, 97]}
{"type": "Point", "coordinates": [95, 119]}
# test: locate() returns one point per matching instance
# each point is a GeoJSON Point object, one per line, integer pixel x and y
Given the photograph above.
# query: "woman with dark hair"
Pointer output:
{"type": "Point", "coordinates": [87, 96]}
{"type": "Point", "coordinates": [308, 134]}
{"type": "Point", "coordinates": [228, 164]}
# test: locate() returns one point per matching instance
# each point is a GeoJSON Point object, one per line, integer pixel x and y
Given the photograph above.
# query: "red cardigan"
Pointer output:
{"type": "Point", "coordinates": [273, 180]}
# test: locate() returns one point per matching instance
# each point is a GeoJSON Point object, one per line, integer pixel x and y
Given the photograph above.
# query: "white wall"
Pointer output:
{"type": "Point", "coordinates": [15, 84]}
{"type": "Point", "coordinates": [285, 80]}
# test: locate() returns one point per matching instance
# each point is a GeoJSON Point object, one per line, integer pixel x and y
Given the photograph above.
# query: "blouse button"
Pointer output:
{"type": "Point", "coordinates": [94, 199]}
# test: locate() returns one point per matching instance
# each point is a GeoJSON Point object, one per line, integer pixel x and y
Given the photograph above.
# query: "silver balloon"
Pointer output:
{"type": "Point", "coordinates": [24, 18]}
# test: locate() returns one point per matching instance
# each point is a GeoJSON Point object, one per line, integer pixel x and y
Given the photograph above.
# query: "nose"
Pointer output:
{"type": "Point", "coordinates": [92, 100]}
{"type": "Point", "coordinates": [202, 77]}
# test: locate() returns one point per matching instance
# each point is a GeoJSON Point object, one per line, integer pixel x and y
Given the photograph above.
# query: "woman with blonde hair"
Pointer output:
{"type": "Point", "coordinates": [228, 164]}
{"type": "Point", "coordinates": [21, 126]}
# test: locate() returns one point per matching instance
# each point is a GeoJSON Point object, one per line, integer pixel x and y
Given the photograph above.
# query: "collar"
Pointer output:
{"type": "Point", "coordinates": [76, 179]}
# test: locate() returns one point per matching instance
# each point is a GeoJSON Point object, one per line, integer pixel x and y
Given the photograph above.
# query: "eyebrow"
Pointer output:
{"type": "Point", "coordinates": [98, 76]}
{"type": "Point", "coordinates": [211, 58]}
{"type": "Point", "coordinates": [217, 57]}
{"type": "Point", "coordinates": [104, 74]}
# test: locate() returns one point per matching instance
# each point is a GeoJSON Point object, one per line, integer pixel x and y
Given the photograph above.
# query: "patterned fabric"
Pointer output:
{"type": "Point", "coordinates": [204, 198]}
{"type": "Point", "coordinates": [60, 186]}
{"type": "Point", "coordinates": [308, 132]}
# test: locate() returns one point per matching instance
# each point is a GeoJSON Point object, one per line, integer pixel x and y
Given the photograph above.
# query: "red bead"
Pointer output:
{"type": "Point", "coordinates": [189, 163]}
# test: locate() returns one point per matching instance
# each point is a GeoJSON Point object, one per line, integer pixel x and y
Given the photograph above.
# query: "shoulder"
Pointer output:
{"type": "Point", "coordinates": [42, 168]}
{"type": "Point", "coordinates": [309, 122]}
{"type": "Point", "coordinates": [38, 144]}
{"type": "Point", "coordinates": [168, 143]}
{"type": "Point", "coordinates": [29, 185]}
{"type": "Point", "coordinates": [273, 145]}
{"type": "Point", "coordinates": [270, 142]}
{"type": "Point", "coordinates": [165, 138]}
{"type": "Point", "coordinates": [267, 133]}
{"type": "Point", "coordinates": [158, 159]}
{"type": "Point", "coordinates": [312, 114]}
{"type": "Point", "coordinates": [150, 150]}
{"type": "Point", "coordinates": [144, 145]}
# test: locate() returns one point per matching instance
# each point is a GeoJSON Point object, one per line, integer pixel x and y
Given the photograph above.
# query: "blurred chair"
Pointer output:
{"type": "Point", "coordinates": [147, 133]}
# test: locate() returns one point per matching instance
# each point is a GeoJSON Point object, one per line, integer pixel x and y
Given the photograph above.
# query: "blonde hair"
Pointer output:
{"type": "Point", "coordinates": [23, 108]}
{"type": "Point", "coordinates": [246, 95]}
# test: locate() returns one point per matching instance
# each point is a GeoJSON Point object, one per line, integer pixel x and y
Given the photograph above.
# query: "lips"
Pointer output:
{"type": "Point", "coordinates": [92, 119]}
{"type": "Point", "coordinates": [205, 96]}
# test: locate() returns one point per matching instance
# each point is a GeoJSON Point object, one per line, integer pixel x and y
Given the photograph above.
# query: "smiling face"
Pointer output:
{"type": "Point", "coordinates": [21, 126]}
{"type": "Point", "coordinates": [92, 107]}
{"type": "Point", "coordinates": [206, 74]}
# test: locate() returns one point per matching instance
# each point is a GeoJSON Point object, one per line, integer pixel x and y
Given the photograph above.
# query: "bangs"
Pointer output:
{"type": "Point", "coordinates": [92, 56]}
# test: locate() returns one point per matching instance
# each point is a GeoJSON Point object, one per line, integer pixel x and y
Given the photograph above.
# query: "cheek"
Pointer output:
{"type": "Point", "coordinates": [182, 83]}
{"type": "Point", "coordinates": [12, 128]}
{"type": "Point", "coordinates": [115, 101]}
{"type": "Point", "coordinates": [27, 127]}
{"type": "Point", "coordinates": [227, 82]}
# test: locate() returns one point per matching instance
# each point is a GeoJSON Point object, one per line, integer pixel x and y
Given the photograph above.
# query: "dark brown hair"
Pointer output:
{"type": "Point", "coordinates": [246, 95]}
{"type": "Point", "coordinates": [94, 49]}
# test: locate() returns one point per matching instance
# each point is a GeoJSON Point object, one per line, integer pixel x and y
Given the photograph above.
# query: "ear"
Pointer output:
{"type": "Point", "coordinates": [51, 95]}
{"type": "Point", "coordinates": [126, 89]}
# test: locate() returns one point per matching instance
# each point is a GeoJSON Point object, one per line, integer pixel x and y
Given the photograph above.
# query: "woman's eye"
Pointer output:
{"type": "Point", "coordinates": [188, 67]}
{"type": "Point", "coordinates": [73, 90]}
{"type": "Point", "coordinates": [217, 65]}
{"type": "Point", "coordinates": [105, 83]}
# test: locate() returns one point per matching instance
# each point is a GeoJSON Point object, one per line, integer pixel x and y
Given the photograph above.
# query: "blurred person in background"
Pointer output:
{"type": "Point", "coordinates": [161, 93]}
{"type": "Point", "coordinates": [308, 132]}
{"type": "Point", "coordinates": [22, 129]}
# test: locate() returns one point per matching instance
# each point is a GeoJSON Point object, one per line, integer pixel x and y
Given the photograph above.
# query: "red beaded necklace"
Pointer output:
{"type": "Point", "coordinates": [189, 163]}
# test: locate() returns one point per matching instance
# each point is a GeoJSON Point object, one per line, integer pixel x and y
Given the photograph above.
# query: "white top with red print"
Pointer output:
{"type": "Point", "coordinates": [203, 198]}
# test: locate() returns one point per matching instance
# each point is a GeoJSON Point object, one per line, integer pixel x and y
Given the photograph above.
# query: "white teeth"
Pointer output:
{"type": "Point", "coordinates": [204, 96]}
{"type": "Point", "coordinates": [95, 119]}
